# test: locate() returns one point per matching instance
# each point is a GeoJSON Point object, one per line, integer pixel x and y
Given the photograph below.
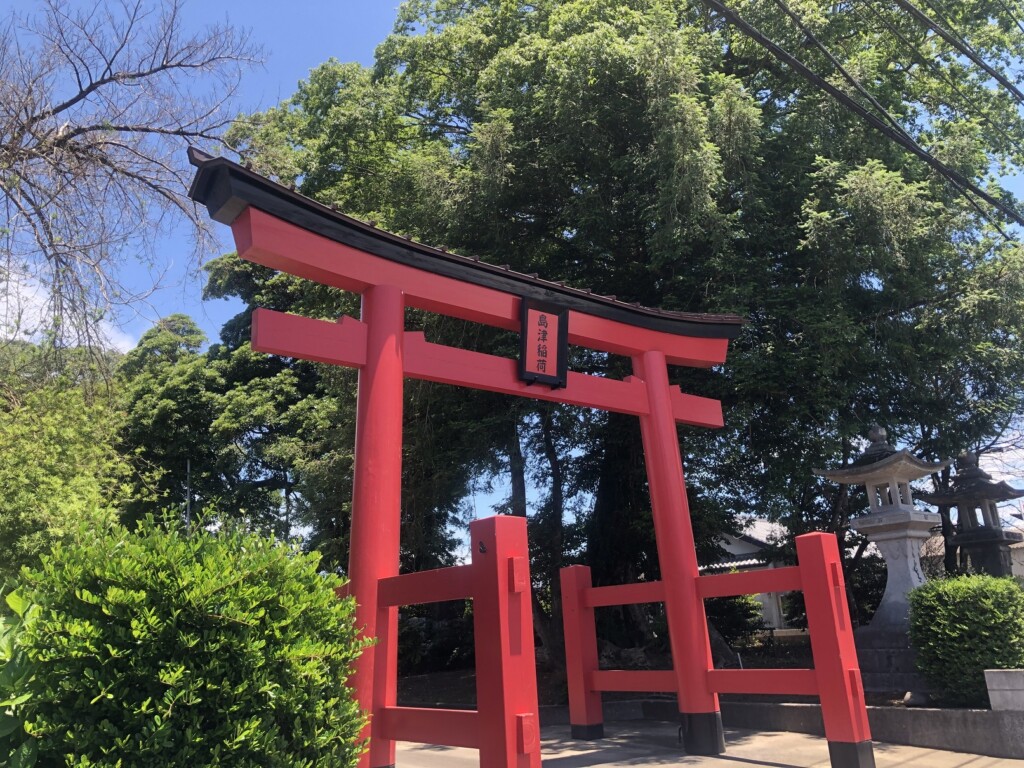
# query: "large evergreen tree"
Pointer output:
{"type": "Point", "coordinates": [644, 148]}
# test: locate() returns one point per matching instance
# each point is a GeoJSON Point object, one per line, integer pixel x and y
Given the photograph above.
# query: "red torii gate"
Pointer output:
{"type": "Point", "coordinates": [278, 228]}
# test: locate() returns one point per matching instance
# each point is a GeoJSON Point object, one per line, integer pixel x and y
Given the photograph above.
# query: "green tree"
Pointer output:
{"type": "Point", "coordinates": [646, 149]}
{"type": "Point", "coordinates": [208, 431]}
{"type": "Point", "coordinates": [58, 466]}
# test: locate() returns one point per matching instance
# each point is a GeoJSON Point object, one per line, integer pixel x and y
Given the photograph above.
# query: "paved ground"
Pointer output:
{"type": "Point", "coordinates": [656, 744]}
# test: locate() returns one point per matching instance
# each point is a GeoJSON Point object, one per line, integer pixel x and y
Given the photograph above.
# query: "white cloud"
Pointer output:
{"type": "Point", "coordinates": [24, 314]}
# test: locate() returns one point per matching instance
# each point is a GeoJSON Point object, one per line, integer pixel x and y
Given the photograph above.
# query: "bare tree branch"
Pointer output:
{"type": "Point", "coordinates": [97, 105]}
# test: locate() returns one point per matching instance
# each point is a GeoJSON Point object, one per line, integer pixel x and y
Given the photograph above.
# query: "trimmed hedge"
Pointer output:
{"type": "Point", "coordinates": [962, 626]}
{"type": "Point", "coordinates": [160, 648]}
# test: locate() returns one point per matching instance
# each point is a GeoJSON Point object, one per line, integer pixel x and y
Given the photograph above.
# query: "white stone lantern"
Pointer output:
{"type": "Point", "coordinates": [894, 524]}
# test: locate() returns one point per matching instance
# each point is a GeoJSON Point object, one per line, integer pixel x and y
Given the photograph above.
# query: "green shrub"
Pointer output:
{"type": "Point", "coordinates": [963, 626]}
{"type": "Point", "coordinates": [159, 648]}
{"type": "Point", "coordinates": [738, 619]}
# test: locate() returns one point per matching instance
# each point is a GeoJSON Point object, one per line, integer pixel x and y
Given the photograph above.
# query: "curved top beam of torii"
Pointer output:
{"type": "Point", "coordinates": [281, 229]}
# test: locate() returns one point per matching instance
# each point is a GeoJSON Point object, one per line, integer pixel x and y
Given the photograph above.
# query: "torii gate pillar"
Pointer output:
{"type": "Point", "coordinates": [377, 504]}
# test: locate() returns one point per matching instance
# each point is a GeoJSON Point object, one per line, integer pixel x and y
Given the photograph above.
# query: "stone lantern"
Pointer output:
{"type": "Point", "coordinates": [981, 533]}
{"type": "Point", "coordinates": [898, 529]}
{"type": "Point", "coordinates": [894, 524]}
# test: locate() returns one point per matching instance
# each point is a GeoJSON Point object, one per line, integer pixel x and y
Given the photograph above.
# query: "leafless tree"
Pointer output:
{"type": "Point", "coordinates": [97, 105]}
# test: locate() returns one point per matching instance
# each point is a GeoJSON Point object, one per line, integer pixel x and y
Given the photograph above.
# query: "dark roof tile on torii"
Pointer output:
{"type": "Point", "coordinates": [227, 188]}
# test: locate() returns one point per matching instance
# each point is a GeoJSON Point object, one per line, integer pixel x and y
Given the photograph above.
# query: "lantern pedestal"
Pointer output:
{"type": "Point", "coordinates": [898, 531]}
{"type": "Point", "coordinates": [989, 549]}
{"type": "Point", "coordinates": [883, 646]}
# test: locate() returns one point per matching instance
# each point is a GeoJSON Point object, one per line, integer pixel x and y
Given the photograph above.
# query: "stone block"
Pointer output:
{"type": "Point", "coordinates": [1005, 689]}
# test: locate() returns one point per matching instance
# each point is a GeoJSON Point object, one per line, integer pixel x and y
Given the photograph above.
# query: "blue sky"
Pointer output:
{"type": "Point", "coordinates": [296, 36]}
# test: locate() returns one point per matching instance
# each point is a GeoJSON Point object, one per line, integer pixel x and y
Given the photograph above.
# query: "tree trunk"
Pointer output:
{"type": "Point", "coordinates": [554, 536]}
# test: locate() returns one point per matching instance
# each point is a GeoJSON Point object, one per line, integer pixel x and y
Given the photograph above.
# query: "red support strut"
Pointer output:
{"type": "Point", "coordinates": [684, 608]}
{"type": "Point", "coordinates": [505, 728]}
{"type": "Point", "coordinates": [377, 510]}
{"type": "Point", "coordinates": [835, 679]}
{"type": "Point", "coordinates": [585, 717]}
{"type": "Point", "coordinates": [835, 656]}
{"type": "Point", "coordinates": [506, 673]}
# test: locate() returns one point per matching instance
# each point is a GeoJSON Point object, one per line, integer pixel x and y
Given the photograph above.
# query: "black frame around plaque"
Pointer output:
{"type": "Point", "coordinates": [558, 379]}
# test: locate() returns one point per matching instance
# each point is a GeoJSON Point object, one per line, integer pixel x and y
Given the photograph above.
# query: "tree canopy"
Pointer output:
{"type": "Point", "coordinates": [59, 459]}
{"type": "Point", "coordinates": [648, 149]}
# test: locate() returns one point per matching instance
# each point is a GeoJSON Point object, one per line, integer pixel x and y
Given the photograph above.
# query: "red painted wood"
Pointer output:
{"type": "Point", "coordinates": [448, 365]}
{"type": "Point", "coordinates": [344, 343]}
{"type": "Point", "coordinates": [266, 240]}
{"type": "Point", "coordinates": [376, 509]}
{"type": "Point", "coordinates": [343, 591]}
{"type": "Point", "coordinates": [696, 411]}
{"type": "Point", "coordinates": [506, 674]}
{"type": "Point", "coordinates": [434, 586]}
{"type": "Point", "coordinates": [751, 582]}
{"type": "Point", "coordinates": [628, 680]}
{"type": "Point", "coordinates": [624, 594]}
{"type": "Point", "coordinates": [580, 646]}
{"type": "Point", "coordinates": [527, 733]}
{"type": "Point", "coordinates": [835, 655]}
{"type": "Point", "coordinates": [628, 340]}
{"type": "Point", "coordinates": [794, 681]}
{"type": "Point", "coordinates": [340, 343]}
{"type": "Point", "coordinates": [450, 727]}
{"type": "Point", "coordinates": [684, 608]}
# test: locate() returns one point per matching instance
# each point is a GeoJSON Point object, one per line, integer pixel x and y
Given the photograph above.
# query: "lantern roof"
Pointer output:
{"type": "Point", "coordinates": [971, 485]}
{"type": "Point", "coordinates": [881, 463]}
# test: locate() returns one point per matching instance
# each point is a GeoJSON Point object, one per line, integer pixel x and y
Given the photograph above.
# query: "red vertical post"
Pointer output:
{"type": "Point", "coordinates": [376, 508]}
{"type": "Point", "coordinates": [506, 673]}
{"type": "Point", "coordinates": [585, 714]}
{"type": "Point", "coordinates": [684, 608]}
{"type": "Point", "coordinates": [835, 655]}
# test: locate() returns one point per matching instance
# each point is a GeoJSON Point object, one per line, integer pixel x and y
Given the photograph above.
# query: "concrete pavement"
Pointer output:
{"type": "Point", "coordinates": [649, 743]}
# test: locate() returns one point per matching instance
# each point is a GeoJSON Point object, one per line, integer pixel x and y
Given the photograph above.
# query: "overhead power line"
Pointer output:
{"type": "Point", "coordinates": [811, 37]}
{"type": "Point", "coordinates": [931, 66]}
{"type": "Point", "coordinates": [896, 125]}
{"type": "Point", "coordinates": [958, 179]}
{"type": "Point", "coordinates": [961, 46]}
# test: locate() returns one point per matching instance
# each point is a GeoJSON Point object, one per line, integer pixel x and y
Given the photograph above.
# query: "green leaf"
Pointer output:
{"type": "Point", "coordinates": [13, 702]}
{"type": "Point", "coordinates": [17, 603]}
{"type": "Point", "coordinates": [8, 725]}
{"type": "Point", "coordinates": [25, 755]}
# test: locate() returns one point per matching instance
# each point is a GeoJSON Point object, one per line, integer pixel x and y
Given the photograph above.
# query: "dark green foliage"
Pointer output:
{"type": "Point", "coordinates": [737, 619]}
{"type": "Point", "coordinates": [963, 626]}
{"type": "Point", "coordinates": [159, 648]}
{"type": "Point", "coordinates": [434, 637]}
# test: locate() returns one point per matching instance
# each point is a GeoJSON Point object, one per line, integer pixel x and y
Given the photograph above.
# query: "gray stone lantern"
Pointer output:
{"type": "Point", "coordinates": [981, 533]}
{"type": "Point", "coordinates": [893, 524]}
{"type": "Point", "coordinates": [898, 529]}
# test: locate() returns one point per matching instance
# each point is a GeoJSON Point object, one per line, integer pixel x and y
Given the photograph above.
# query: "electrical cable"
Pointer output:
{"type": "Point", "coordinates": [1009, 12]}
{"type": "Point", "coordinates": [877, 123]}
{"type": "Point", "coordinates": [936, 70]}
{"type": "Point", "coordinates": [841, 69]}
{"type": "Point", "coordinates": [961, 46]}
{"type": "Point", "coordinates": [897, 126]}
